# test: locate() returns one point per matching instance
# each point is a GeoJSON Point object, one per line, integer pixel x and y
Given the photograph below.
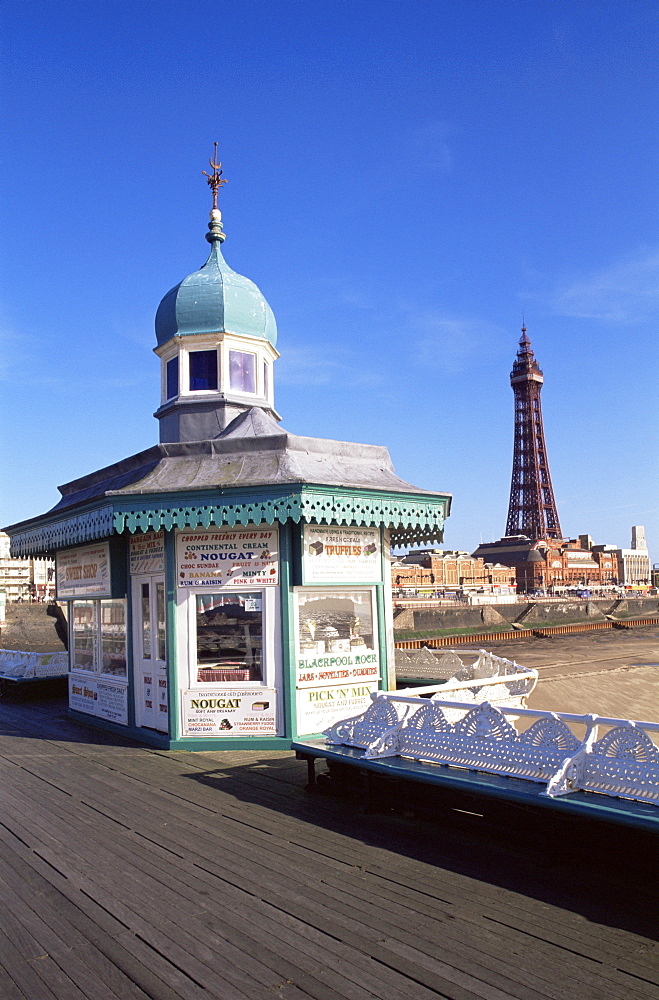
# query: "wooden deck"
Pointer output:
{"type": "Point", "coordinates": [130, 873]}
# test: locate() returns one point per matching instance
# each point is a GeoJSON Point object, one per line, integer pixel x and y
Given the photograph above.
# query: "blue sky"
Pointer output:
{"type": "Point", "coordinates": [405, 180]}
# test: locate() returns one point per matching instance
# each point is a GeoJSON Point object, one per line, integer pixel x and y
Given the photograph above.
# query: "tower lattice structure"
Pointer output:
{"type": "Point", "coordinates": [532, 508]}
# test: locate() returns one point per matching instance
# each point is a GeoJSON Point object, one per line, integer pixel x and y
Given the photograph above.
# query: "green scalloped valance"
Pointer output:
{"type": "Point", "coordinates": [59, 534]}
{"type": "Point", "coordinates": [412, 519]}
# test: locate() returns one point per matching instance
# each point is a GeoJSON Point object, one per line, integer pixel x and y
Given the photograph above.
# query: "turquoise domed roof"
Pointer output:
{"type": "Point", "coordinates": [215, 299]}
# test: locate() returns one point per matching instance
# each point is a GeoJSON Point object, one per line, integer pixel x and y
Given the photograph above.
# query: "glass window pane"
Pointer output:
{"type": "Point", "coordinates": [229, 637]}
{"type": "Point", "coordinates": [146, 622]}
{"type": "Point", "coordinates": [242, 371]}
{"type": "Point", "coordinates": [113, 638]}
{"type": "Point", "coordinates": [84, 635]}
{"type": "Point", "coordinates": [172, 378]}
{"type": "Point", "coordinates": [266, 380]}
{"type": "Point", "coordinates": [340, 622]}
{"type": "Point", "coordinates": [161, 624]}
{"type": "Point", "coordinates": [203, 370]}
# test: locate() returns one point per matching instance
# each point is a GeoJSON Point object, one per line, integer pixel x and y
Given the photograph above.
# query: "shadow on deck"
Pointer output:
{"type": "Point", "coordinates": [129, 873]}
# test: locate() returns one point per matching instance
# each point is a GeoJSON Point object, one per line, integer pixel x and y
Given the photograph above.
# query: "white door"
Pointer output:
{"type": "Point", "coordinates": [149, 652]}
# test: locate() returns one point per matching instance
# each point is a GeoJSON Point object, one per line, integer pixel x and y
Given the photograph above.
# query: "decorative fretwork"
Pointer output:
{"type": "Point", "coordinates": [363, 729]}
{"type": "Point", "coordinates": [60, 534]}
{"type": "Point", "coordinates": [624, 763]}
{"type": "Point", "coordinates": [411, 519]}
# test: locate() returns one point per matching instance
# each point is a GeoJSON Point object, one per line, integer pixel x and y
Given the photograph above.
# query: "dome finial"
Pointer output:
{"type": "Point", "coordinates": [215, 181]}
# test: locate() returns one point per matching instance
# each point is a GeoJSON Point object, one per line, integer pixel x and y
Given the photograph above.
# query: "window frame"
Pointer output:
{"type": "Point", "coordinates": [243, 354]}
{"type": "Point", "coordinates": [208, 351]}
{"type": "Point", "coordinates": [169, 362]}
{"type": "Point", "coordinates": [98, 627]}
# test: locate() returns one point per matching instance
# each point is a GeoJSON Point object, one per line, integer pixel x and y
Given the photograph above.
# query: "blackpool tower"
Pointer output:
{"type": "Point", "coordinates": [532, 508]}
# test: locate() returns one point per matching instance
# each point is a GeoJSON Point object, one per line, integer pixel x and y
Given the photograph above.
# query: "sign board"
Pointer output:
{"type": "Point", "coordinates": [147, 553]}
{"type": "Point", "coordinates": [353, 667]}
{"type": "Point", "coordinates": [228, 558]}
{"type": "Point", "coordinates": [339, 554]}
{"type": "Point", "coordinates": [96, 696]}
{"type": "Point", "coordinates": [239, 711]}
{"type": "Point", "coordinates": [319, 708]}
{"type": "Point", "coordinates": [83, 572]}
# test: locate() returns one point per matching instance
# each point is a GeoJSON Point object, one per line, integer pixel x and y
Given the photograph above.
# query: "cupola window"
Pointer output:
{"type": "Point", "coordinates": [203, 370]}
{"type": "Point", "coordinates": [172, 378]}
{"type": "Point", "coordinates": [242, 371]}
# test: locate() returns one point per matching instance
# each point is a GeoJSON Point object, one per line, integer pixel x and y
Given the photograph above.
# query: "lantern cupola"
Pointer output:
{"type": "Point", "coordinates": [216, 339]}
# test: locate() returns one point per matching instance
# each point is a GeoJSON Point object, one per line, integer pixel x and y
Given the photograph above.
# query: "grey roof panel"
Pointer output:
{"type": "Point", "coordinates": [254, 450]}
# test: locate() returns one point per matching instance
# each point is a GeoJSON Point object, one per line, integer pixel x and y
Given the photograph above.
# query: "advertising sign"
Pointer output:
{"type": "Point", "coordinates": [337, 669]}
{"type": "Point", "coordinates": [240, 711]}
{"type": "Point", "coordinates": [319, 708]}
{"type": "Point", "coordinates": [339, 554]}
{"type": "Point", "coordinates": [147, 553]}
{"type": "Point", "coordinates": [105, 699]}
{"type": "Point", "coordinates": [228, 557]}
{"type": "Point", "coordinates": [83, 572]}
{"type": "Point", "coordinates": [336, 636]}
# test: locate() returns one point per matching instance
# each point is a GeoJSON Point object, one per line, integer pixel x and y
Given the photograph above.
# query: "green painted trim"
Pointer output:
{"type": "Point", "coordinates": [232, 743]}
{"type": "Point", "coordinates": [382, 618]}
{"type": "Point", "coordinates": [130, 649]}
{"type": "Point", "coordinates": [382, 633]}
{"type": "Point", "coordinates": [411, 517]}
{"type": "Point", "coordinates": [48, 533]}
{"type": "Point", "coordinates": [173, 713]}
{"type": "Point", "coordinates": [288, 691]}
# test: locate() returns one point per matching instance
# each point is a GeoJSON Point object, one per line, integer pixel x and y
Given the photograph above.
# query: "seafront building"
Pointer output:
{"type": "Point", "coordinates": [25, 579]}
{"type": "Point", "coordinates": [553, 565]}
{"type": "Point", "coordinates": [435, 571]}
{"type": "Point", "coordinates": [231, 585]}
{"type": "Point", "coordinates": [634, 569]}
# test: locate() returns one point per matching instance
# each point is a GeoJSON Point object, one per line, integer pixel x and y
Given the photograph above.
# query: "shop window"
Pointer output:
{"type": "Point", "coordinates": [337, 622]}
{"type": "Point", "coordinates": [229, 637]}
{"type": "Point", "coordinates": [113, 638]}
{"type": "Point", "coordinates": [172, 378]}
{"type": "Point", "coordinates": [203, 370]}
{"type": "Point", "coordinates": [242, 371]}
{"type": "Point", "coordinates": [99, 637]}
{"type": "Point", "coordinates": [84, 625]}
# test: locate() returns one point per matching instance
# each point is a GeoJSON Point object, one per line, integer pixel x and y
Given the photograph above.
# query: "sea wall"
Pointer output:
{"type": "Point", "coordinates": [532, 614]}
{"type": "Point", "coordinates": [29, 628]}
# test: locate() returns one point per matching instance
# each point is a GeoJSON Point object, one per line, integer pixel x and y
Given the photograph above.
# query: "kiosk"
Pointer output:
{"type": "Point", "coordinates": [229, 586]}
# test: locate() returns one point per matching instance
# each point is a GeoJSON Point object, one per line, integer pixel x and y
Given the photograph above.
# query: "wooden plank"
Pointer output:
{"type": "Point", "coordinates": [349, 989]}
{"type": "Point", "coordinates": [146, 917]}
{"type": "Point", "coordinates": [372, 898]}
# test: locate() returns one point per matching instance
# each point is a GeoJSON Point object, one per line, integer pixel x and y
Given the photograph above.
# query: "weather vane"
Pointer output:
{"type": "Point", "coordinates": [214, 180]}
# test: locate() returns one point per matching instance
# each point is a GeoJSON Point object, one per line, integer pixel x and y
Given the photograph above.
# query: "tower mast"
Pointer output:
{"type": "Point", "coordinates": [532, 508]}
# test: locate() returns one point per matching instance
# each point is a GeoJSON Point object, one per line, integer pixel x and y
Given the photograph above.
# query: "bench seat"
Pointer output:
{"type": "Point", "coordinates": [643, 815]}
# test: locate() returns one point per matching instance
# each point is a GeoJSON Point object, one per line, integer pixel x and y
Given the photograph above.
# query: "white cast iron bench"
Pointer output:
{"type": "Point", "coordinates": [613, 777]}
{"type": "Point", "coordinates": [18, 667]}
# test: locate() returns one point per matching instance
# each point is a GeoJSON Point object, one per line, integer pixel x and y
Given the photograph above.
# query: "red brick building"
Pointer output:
{"type": "Point", "coordinates": [434, 569]}
{"type": "Point", "coordinates": [554, 565]}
